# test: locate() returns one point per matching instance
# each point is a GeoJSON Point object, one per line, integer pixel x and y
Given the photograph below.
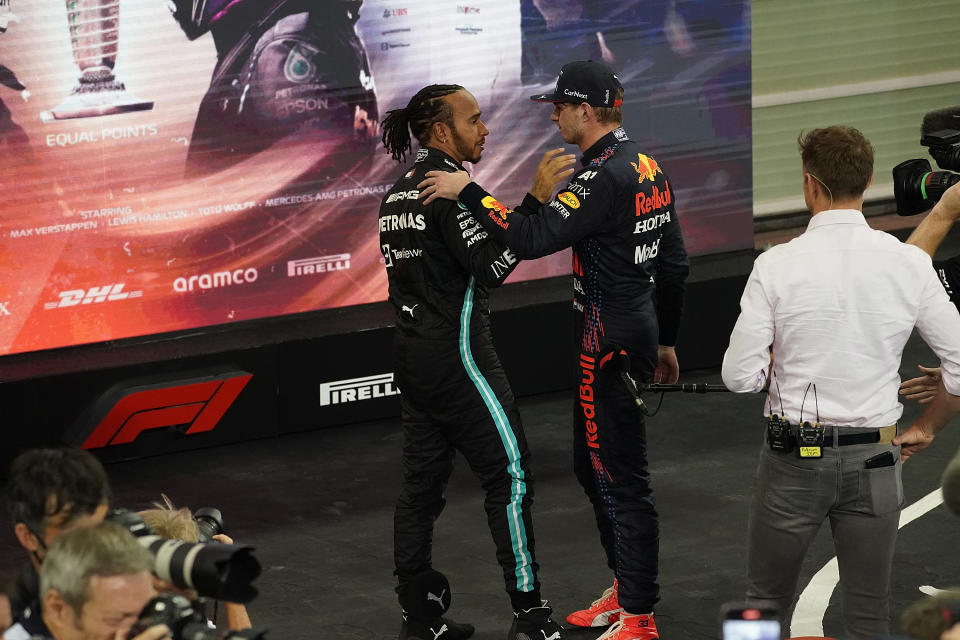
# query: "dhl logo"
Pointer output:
{"type": "Point", "coordinates": [569, 199]}
{"type": "Point", "coordinates": [491, 203]}
{"type": "Point", "coordinates": [646, 167]}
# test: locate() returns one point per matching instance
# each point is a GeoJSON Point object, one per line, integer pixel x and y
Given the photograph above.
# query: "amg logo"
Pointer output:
{"type": "Point", "coordinates": [357, 389]}
{"type": "Point", "coordinates": [403, 195]}
{"type": "Point", "coordinates": [106, 293]}
{"type": "Point", "coordinates": [320, 264]}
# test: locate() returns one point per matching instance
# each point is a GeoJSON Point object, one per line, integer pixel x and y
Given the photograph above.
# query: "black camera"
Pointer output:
{"type": "Point", "coordinates": [916, 186]}
{"type": "Point", "coordinates": [214, 570]}
{"type": "Point", "coordinates": [185, 620]}
{"type": "Point", "coordinates": [209, 523]}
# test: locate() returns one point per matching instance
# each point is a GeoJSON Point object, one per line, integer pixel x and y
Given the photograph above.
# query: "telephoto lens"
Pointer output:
{"type": "Point", "coordinates": [214, 570]}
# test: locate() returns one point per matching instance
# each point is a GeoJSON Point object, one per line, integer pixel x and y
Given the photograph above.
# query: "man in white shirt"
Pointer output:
{"type": "Point", "coordinates": [824, 319]}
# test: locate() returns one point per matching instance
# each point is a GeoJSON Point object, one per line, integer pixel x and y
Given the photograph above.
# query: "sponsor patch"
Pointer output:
{"type": "Point", "coordinates": [491, 203]}
{"type": "Point", "coordinates": [647, 168]}
{"type": "Point", "coordinates": [569, 199]}
{"type": "Point", "coordinates": [559, 208]}
{"type": "Point", "coordinates": [655, 200]}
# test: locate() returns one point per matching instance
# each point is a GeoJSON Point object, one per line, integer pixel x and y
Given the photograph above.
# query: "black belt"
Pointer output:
{"type": "Point", "coordinates": [863, 436]}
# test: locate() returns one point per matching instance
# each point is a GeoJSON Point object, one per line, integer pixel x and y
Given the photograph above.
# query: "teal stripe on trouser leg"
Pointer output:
{"type": "Point", "coordinates": [518, 533]}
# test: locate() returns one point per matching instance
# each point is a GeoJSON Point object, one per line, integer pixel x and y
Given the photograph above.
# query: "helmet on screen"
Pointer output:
{"type": "Point", "coordinates": [197, 16]}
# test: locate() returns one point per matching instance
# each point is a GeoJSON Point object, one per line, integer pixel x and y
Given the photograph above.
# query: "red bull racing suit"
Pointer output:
{"type": "Point", "coordinates": [455, 394]}
{"type": "Point", "coordinates": [629, 269]}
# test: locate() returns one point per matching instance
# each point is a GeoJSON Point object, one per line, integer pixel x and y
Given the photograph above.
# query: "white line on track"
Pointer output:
{"type": "Point", "coordinates": [808, 615]}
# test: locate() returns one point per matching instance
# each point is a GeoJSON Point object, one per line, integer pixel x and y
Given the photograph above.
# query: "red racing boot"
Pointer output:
{"type": "Point", "coordinates": [604, 611]}
{"type": "Point", "coordinates": [632, 627]}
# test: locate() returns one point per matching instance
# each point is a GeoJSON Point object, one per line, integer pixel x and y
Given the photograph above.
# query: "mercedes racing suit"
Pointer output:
{"type": "Point", "coordinates": [629, 265]}
{"type": "Point", "coordinates": [455, 394]}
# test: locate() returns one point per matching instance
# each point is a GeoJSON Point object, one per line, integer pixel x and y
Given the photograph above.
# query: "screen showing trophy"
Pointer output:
{"type": "Point", "coordinates": [167, 165]}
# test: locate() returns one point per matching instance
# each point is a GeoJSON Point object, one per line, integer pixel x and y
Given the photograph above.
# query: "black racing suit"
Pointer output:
{"type": "Point", "coordinates": [455, 394]}
{"type": "Point", "coordinates": [287, 68]}
{"type": "Point", "coordinates": [629, 265]}
{"type": "Point", "coordinates": [949, 273]}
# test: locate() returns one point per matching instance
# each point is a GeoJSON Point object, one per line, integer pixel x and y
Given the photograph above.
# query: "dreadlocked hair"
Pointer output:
{"type": "Point", "coordinates": [424, 109]}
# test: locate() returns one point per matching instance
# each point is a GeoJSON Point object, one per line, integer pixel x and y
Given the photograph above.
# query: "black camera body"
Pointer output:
{"type": "Point", "coordinates": [185, 620]}
{"type": "Point", "coordinates": [916, 186]}
{"type": "Point", "coordinates": [209, 523]}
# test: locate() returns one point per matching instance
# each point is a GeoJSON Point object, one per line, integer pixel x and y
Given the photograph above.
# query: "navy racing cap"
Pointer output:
{"type": "Point", "coordinates": [585, 81]}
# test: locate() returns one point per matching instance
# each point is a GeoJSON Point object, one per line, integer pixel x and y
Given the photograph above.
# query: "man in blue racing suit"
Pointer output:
{"type": "Point", "coordinates": [629, 265]}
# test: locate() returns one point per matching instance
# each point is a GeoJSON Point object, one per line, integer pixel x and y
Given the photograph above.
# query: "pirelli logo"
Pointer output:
{"type": "Point", "coordinates": [357, 389]}
{"type": "Point", "coordinates": [319, 264]}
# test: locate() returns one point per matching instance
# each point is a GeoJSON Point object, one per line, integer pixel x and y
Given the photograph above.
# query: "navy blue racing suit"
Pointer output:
{"type": "Point", "coordinates": [455, 393]}
{"type": "Point", "coordinates": [629, 268]}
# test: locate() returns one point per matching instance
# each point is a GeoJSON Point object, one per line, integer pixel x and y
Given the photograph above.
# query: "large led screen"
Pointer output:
{"type": "Point", "coordinates": [168, 165]}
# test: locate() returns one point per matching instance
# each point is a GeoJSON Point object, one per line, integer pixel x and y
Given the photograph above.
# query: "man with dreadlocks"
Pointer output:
{"type": "Point", "coordinates": [629, 268]}
{"type": "Point", "coordinates": [456, 396]}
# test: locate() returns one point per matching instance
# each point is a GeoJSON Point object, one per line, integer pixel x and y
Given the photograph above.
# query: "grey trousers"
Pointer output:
{"type": "Point", "coordinates": [794, 496]}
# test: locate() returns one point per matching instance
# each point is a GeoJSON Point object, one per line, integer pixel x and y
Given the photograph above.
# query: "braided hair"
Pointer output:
{"type": "Point", "coordinates": [424, 109]}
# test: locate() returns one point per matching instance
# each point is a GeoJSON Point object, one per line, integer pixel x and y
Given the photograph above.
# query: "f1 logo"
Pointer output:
{"type": "Point", "coordinates": [129, 409]}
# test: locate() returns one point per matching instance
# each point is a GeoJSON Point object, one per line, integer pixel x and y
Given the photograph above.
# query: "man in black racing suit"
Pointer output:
{"type": "Point", "coordinates": [455, 394]}
{"type": "Point", "coordinates": [629, 265]}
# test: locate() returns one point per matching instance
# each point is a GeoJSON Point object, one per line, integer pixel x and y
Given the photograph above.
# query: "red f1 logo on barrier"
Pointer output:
{"type": "Point", "coordinates": [129, 409]}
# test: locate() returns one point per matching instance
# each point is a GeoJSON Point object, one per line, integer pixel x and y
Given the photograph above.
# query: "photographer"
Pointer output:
{"type": "Point", "coordinates": [49, 492]}
{"type": "Point", "coordinates": [169, 522]}
{"type": "Point", "coordinates": [94, 582]}
{"type": "Point", "coordinates": [933, 618]}
{"type": "Point", "coordinates": [928, 235]}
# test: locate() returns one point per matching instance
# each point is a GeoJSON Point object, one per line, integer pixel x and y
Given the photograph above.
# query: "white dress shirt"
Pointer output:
{"type": "Point", "coordinates": [837, 304]}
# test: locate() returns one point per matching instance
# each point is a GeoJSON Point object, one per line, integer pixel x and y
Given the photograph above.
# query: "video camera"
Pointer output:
{"type": "Point", "coordinates": [214, 570]}
{"type": "Point", "coordinates": [916, 186]}
{"type": "Point", "coordinates": [185, 621]}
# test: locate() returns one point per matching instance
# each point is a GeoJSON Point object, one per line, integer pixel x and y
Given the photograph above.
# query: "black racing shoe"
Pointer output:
{"type": "Point", "coordinates": [535, 624]}
{"type": "Point", "coordinates": [437, 629]}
